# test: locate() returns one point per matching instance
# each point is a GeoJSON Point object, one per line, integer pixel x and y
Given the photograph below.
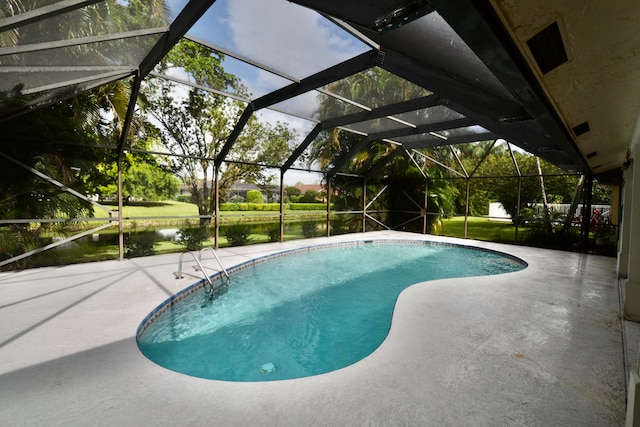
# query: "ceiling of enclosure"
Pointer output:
{"type": "Point", "coordinates": [558, 79]}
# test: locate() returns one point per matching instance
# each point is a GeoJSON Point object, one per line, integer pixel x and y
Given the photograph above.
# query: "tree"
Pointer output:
{"type": "Point", "coordinates": [374, 88]}
{"type": "Point", "coordinates": [143, 179]}
{"type": "Point", "coordinates": [33, 140]}
{"type": "Point", "coordinates": [311, 196]}
{"type": "Point", "coordinates": [254, 196]}
{"type": "Point", "coordinates": [503, 187]}
{"type": "Point", "coordinates": [292, 192]}
{"type": "Point", "coordinates": [471, 155]}
{"type": "Point", "coordinates": [144, 176]}
{"type": "Point", "coordinates": [441, 192]}
{"type": "Point", "coordinates": [195, 124]}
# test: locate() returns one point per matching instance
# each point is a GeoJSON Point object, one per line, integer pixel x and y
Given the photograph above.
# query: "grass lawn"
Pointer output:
{"type": "Point", "coordinates": [173, 208]}
{"type": "Point", "coordinates": [153, 209]}
{"type": "Point", "coordinates": [479, 228]}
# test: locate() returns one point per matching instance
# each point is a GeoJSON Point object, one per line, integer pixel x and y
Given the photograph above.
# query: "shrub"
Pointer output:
{"type": "Point", "coordinates": [311, 196]}
{"type": "Point", "coordinates": [274, 234]}
{"type": "Point", "coordinates": [140, 244]}
{"type": "Point", "coordinates": [238, 234]}
{"type": "Point", "coordinates": [338, 226]}
{"type": "Point", "coordinates": [184, 198]}
{"type": "Point", "coordinates": [249, 207]}
{"type": "Point", "coordinates": [230, 206]}
{"type": "Point", "coordinates": [308, 206]}
{"type": "Point", "coordinates": [15, 240]}
{"type": "Point", "coordinates": [192, 237]}
{"type": "Point", "coordinates": [309, 228]}
{"type": "Point", "coordinates": [292, 191]}
{"type": "Point", "coordinates": [254, 196]}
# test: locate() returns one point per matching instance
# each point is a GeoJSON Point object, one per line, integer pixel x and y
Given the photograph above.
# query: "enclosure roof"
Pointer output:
{"type": "Point", "coordinates": [558, 83]}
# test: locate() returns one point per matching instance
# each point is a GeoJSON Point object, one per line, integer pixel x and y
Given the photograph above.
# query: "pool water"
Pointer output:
{"type": "Point", "coordinates": [304, 313]}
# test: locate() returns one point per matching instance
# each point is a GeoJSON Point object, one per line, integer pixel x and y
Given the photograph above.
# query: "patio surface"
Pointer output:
{"type": "Point", "coordinates": [542, 346]}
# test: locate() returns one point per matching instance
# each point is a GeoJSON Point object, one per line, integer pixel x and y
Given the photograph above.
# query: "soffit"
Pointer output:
{"type": "Point", "coordinates": [600, 82]}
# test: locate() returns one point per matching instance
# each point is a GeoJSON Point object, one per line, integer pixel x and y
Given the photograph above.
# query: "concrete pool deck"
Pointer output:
{"type": "Point", "coordinates": [542, 346]}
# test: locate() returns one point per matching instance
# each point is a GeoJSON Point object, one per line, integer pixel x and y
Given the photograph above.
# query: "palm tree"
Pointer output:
{"type": "Point", "coordinates": [35, 142]}
{"type": "Point", "coordinates": [376, 88]}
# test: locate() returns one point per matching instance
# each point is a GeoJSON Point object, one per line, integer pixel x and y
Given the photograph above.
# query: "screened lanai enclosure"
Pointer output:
{"type": "Point", "coordinates": [126, 121]}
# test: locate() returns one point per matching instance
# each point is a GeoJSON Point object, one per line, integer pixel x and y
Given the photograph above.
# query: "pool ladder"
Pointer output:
{"type": "Point", "coordinates": [212, 289]}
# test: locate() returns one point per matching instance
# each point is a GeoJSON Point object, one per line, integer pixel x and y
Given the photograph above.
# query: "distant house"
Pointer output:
{"type": "Point", "coordinates": [315, 187]}
{"type": "Point", "coordinates": [241, 188]}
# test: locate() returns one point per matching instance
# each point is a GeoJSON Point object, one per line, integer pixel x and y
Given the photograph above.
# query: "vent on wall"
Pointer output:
{"type": "Point", "coordinates": [548, 49]}
{"type": "Point", "coordinates": [581, 128]}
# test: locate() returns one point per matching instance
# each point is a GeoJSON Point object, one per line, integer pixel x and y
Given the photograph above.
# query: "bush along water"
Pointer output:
{"type": "Point", "coordinates": [238, 234]}
{"type": "Point", "coordinates": [273, 233]}
{"type": "Point", "coordinates": [309, 228]}
{"type": "Point", "coordinates": [192, 236]}
{"type": "Point", "coordinates": [140, 244]}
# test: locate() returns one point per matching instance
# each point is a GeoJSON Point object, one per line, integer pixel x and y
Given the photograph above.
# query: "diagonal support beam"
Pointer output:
{"type": "Point", "coordinates": [377, 167]}
{"type": "Point", "coordinates": [56, 183]}
{"type": "Point", "coordinates": [237, 130]}
{"type": "Point", "coordinates": [455, 155]}
{"type": "Point", "coordinates": [345, 69]}
{"type": "Point", "coordinates": [368, 205]}
{"type": "Point", "coordinates": [431, 127]}
{"type": "Point", "coordinates": [431, 159]}
{"type": "Point", "coordinates": [461, 139]}
{"type": "Point", "coordinates": [179, 27]}
{"type": "Point", "coordinates": [54, 244]}
{"type": "Point", "coordinates": [494, 107]}
{"type": "Point", "coordinates": [387, 110]}
{"type": "Point", "coordinates": [415, 163]}
{"type": "Point", "coordinates": [41, 13]}
{"type": "Point", "coordinates": [344, 159]}
{"type": "Point", "coordinates": [395, 133]}
{"type": "Point", "coordinates": [135, 90]}
{"type": "Point", "coordinates": [300, 148]}
{"type": "Point", "coordinates": [337, 72]}
{"type": "Point", "coordinates": [513, 159]}
{"type": "Point", "coordinates": [78, 41]}
{"type": "Point", "coordinates": [484, 157]}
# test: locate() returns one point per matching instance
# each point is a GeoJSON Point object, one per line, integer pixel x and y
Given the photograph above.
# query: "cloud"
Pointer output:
{"type": "Point", "coordinates": [288, 37]}
{"type": "Point", "coordinates": [266, 82]}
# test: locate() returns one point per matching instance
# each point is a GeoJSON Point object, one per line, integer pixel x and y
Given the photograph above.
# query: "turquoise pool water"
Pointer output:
{"type": "Point", "coordinates": [304, 313]}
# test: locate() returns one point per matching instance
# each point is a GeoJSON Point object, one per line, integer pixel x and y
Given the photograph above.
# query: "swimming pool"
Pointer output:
{"type": "Point", "coordinates": [304, 313]}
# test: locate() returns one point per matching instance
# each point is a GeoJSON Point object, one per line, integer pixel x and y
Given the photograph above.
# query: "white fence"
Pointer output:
{"type": "Point", "coordinates": [497, 212]}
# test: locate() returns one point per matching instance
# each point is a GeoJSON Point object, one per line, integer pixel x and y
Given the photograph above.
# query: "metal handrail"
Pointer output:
{"type": "Point", "coordinates": [207, 278]}
{"type": "Point", "coordinates": [224, 270]}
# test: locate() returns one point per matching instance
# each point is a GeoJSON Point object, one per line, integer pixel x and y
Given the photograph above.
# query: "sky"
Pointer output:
{"type": "Point", "coordinates": [282, 36]}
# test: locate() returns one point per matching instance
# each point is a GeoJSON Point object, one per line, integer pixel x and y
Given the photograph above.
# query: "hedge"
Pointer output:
{"type": "Point", "coordinates": [308, 206]}
{"type": "Point", "coordinates": [272, 207]}
{"type": "Point", "coordinates": [250, 206]}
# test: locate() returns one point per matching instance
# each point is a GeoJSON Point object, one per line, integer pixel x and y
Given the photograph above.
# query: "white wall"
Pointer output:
{"type": "Point", "coordinates": [497, 212]}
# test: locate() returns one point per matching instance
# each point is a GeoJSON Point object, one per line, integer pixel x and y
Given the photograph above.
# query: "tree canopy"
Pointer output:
{"type": "Point", "coordinates": [195, 125]}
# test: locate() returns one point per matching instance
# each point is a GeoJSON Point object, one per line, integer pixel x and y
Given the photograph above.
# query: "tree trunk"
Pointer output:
{"type": "Point", "coordinates": [547, 216]}
{"type": "Point", "coordinates": [574, 206]}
